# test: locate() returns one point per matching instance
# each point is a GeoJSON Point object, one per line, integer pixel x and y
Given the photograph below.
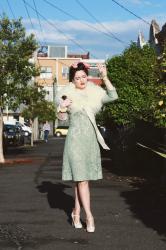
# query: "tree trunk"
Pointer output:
{"type": "Point", "coordinates": [2, 160]}
{"type": "Point", "coordinates": [32, 134]}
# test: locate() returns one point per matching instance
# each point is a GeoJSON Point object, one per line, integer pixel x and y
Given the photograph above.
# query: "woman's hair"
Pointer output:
{"type": "Point", "coordinates": [76, 67]}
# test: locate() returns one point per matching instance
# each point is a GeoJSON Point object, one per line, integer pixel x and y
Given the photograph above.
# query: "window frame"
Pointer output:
{"type": "Point", "coordinates": [65, 72]}
{"type": "Point", "coordinates": [45, 72]}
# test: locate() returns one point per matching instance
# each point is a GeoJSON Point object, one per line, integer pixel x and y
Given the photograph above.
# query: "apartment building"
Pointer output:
{"type": "Point", "coordinates": [54, 63]}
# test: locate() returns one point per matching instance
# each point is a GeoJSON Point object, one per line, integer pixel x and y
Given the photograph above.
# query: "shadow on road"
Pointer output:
{"type": "Point", "coordinates": [56, 196]}
{"type": "Point", "coordinates": [144, 171]}
{"type": "Point", "coordinates": [148, 203]}
{"type": "Point", "coordinates": [137, 162]}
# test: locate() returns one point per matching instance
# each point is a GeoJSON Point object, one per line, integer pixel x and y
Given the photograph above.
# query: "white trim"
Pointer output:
{"type": "Point", "coordinates": [59, 58]}
{"type": "Point", "coordinates": [57, 69]}
{"type": "Point", "coordinates": [93, 60]}
{"type": "Point", "coordinates": [66, 51]}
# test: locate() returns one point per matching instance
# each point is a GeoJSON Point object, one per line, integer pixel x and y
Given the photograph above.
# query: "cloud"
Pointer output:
{"type": "Point", "coordinates": [76, 27]}
{"type": "Point", "coordinates": [142, 2]}
{"type": "Point", "coordinates": [135, 1]}
{"type": "Point", "coordinates": [86, 36]}
{"type": "Point", "coordinates": [50, 36]}
{"type": "Point", "coordinates": [139, 2]}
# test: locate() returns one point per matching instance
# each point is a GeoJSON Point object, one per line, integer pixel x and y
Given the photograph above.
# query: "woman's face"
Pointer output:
{"type": "Point", "coordinates": [80, 79]}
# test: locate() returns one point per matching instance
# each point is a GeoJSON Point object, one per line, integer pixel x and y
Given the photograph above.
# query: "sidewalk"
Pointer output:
{"type": "Point", "coordinates": [35, 206]}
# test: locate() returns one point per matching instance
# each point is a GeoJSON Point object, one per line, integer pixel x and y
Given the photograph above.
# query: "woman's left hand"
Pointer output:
{"type": "Point", "coordinates": [102, 70]}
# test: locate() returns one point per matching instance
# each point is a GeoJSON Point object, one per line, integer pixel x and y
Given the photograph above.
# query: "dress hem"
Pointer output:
{"type": "Point", "coordinates": [89, 179]}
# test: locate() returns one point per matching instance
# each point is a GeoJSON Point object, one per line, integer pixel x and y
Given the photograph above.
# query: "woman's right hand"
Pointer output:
{"type": "Point", "coordinates": [66, 103]}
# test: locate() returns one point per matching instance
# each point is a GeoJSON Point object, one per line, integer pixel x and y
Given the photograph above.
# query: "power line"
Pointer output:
{"type": "Point", "coordinates": [37, 38]}
{"type": "Point", "coordinates": [2, 10]}
{"type": "Point", "coordinates": [76, 18]}
{"type": "Point", "coordinates": [42, 28]}
{"type": "Point", "coordinates": [27, 11]}
{"type": "Point", "coordinates": [39, 20]}
{"type": "Point", "coordinates": [101, 24]}
{"type": "Point", "coordinates": [36, 35]}
{"type": "Point", "coordinates": [57, 29]}
{"type": "Point", "coordinates": [123, 7]}
{"type": "Point", "coordinates": [11, 9]}
{"type": "Point", "coordinates": [61, 10]}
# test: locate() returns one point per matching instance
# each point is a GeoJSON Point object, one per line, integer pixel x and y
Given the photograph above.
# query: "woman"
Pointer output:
{"type": "Point", "coordinates": [46, 130]}
{"type": "Point", "coordinates": [81, 158]}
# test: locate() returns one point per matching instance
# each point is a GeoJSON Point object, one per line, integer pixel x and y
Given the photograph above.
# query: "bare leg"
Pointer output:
{"type": "Point", "coordinates": [77, 208]}
{"type": "Point", "coordinates": [75, 215]}
{"type": "Point", "coordinates": [84, 194]}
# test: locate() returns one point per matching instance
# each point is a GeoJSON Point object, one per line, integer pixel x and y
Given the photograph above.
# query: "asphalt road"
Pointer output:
{"type": "Point", "coordinates": [35, 207]}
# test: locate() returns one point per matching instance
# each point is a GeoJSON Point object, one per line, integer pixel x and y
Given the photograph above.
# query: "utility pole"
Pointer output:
{"type": "Point", "coordinates": [53, 86]}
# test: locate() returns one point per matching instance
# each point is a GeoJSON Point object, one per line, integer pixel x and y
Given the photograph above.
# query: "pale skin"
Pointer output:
{"type": "Point", "coordinates": [82, 190]}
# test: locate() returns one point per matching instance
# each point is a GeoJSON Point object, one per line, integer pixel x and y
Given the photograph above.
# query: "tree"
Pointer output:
{"type": "Point", "coordinates": [159, 113]}
{"type": "Point", "coordinates": [16, 48]}
{"type": "Point", "coordinates": [37, 106]}
{"type": "Point", "coordinates": [49, 113]}
{"type": "Point", "coordinates": [135, 74]}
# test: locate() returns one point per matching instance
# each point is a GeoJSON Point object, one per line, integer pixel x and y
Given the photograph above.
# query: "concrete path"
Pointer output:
{"type": "Point", "coordinates": [35, 207]}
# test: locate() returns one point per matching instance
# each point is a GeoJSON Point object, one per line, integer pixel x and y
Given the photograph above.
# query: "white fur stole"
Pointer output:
{"type": "Point", "coordinates": [90, 97]}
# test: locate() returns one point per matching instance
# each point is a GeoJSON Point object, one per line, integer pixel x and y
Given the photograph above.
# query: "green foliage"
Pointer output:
{"type": "Point", "coordinates": [16, 48]}
{"type": "Point", "coordinates": [135, 75]}
{"type": "Point", "coordinates": [49, 113]}
{"type": "Point", "coordinates": [44, 110]}
{"type": "Point", "coordinates": [37, 106]}
{"type": "Point", "coordinates": [162, 64]}
{"type": "Point", "coordinates": [159, 113]}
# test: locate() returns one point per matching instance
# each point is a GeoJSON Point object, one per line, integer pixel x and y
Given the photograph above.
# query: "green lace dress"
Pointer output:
{"type": "Point", "coordinates": [81, 158]}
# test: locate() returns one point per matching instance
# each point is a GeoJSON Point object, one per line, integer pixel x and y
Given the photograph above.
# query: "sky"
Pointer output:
{"type": "Point", "coordinates": [100, 27]}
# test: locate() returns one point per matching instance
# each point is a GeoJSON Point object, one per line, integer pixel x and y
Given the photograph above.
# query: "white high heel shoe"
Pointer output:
{"type": "Point", "coordinates": [90, 225]}
{"type": "Point", "coordinates": [78, 224]}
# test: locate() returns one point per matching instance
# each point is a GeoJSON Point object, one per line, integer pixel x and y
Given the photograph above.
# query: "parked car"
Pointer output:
{"type": "Point", "coordinates": [13, 135]}
{"type": "Point", "coordinates": [27, 131]}
{"type": "Point", "coordinates": [61, 131]}
{"type": "Point", "coordinates": [20, 134]}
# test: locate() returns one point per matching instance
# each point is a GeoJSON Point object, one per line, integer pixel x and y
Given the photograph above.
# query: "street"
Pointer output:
{"type": "Point", "coordinates": [35, 206]}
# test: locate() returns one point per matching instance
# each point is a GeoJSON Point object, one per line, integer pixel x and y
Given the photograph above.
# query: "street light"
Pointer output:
{"type": "Point", "coordinates": [53, 86]}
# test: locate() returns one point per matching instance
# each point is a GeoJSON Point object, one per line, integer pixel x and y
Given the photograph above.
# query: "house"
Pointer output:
{"type": "Point", "coordinates": [157, 38]}
{"type": "Point", "coordinates": [83, 56]}
{"type": "Point", "coordinates": [141, 40]}
{"type": "Point", "coordinates": [54, 63]}
{"type": "Point", "coordinates": [161, 37]}
{"type": "Point", "coordinates": [153, 41]}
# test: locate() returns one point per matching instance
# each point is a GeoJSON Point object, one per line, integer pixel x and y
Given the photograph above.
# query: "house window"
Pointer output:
{"type": "Point", "coordinates": [46, 72]}
{"type": "Point", "coordinates": [65, 72]}
{"type": "Point", "coordinates": [93, 73]}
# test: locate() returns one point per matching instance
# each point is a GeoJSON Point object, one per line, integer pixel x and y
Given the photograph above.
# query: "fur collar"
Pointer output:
{"type": "Point", "coordinates": [90, 97]}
